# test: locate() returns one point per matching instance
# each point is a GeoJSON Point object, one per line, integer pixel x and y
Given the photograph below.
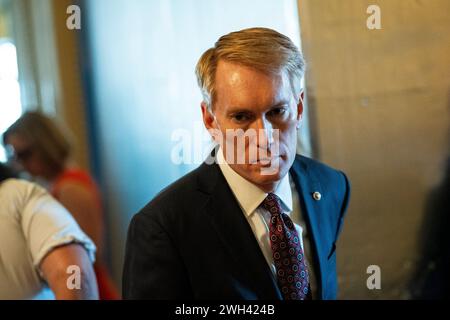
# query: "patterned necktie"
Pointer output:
{"type": "Point", "coordinates": [290, 264]}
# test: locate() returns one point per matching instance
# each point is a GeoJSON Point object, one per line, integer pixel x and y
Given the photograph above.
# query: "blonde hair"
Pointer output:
{"type": "Point", "coordinates": [263, 49]}
{"type": "Point", "coordinates": [44, 135]}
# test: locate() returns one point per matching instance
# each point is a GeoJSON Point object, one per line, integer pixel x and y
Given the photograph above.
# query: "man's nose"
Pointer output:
{"type": "Point", "coordinates": [264, 132]}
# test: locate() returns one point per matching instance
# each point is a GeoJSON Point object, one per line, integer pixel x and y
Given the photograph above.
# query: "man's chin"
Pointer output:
{"type": "Point", "coordinates": [267, 174]}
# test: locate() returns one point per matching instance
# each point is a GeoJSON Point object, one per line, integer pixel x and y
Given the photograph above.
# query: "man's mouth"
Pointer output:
{"type": "Point", "coordinates": [265, 160]}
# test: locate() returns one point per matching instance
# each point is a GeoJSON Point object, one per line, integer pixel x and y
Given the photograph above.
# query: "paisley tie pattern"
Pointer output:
{"type": "Point", "coordinates": [288, 256]}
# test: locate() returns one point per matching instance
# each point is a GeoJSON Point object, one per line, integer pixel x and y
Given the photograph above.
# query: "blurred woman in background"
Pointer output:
{"type": "Point", "coordinates": [44, 151]}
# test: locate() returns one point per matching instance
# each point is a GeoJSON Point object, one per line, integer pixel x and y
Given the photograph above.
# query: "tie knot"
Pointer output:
{"type": "Point", "coordinates": [272, 203]}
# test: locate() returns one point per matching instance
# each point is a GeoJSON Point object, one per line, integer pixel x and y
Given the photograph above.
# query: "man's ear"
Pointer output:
{"type": "Point", "coordinates": [300, 106]}
{"type": "Point", "coordinates": [211, 124]}
{"type": "Point", "coordinates": [208, 118]}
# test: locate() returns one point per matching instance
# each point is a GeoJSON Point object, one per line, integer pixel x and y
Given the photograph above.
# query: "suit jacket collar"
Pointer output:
{"type": "Point", "coordinates": [306, 183]}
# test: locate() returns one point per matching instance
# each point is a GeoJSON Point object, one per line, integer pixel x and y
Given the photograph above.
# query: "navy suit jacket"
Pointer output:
{"type": "Point", "coordinates": [192, 241]}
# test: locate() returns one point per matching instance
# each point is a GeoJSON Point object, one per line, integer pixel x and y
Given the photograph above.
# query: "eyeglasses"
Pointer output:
{"type": "Point", "coordinates": [23, 155]}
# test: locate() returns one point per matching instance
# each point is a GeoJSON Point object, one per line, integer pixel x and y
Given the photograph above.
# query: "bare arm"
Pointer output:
{"type": "Point", "coordinates": [62, 280]}
{"type": "Point", "coordinates": [83, 206]}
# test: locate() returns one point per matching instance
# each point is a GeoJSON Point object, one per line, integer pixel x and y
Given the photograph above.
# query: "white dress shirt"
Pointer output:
{"type": "Point", "coordinates": [250, 197]}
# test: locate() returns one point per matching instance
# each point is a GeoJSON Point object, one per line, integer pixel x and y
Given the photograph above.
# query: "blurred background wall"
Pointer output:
{"type": "Point", "coordinates": [381, 105]}
{"type": "Point", "coordinates": [378, 105]}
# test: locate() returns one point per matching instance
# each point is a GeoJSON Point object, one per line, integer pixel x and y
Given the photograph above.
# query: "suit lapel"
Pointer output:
{"type": "Point", "coordinates": [312, 211]}
{"type": "Point", "coordinates": [231, 226]}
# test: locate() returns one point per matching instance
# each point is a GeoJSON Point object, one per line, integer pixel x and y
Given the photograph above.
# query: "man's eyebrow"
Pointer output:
{"type": "Point", "coordinates": [280, 104]}
{"type": "Point", "coordinates": [239, 109]}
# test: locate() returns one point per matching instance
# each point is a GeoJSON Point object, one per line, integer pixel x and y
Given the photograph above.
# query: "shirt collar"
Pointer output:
{"type": "Point", "coordinates": [248, 195]}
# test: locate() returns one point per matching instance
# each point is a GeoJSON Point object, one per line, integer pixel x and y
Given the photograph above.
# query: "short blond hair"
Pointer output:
{"type": "Point", "coordinates": [263, 49]}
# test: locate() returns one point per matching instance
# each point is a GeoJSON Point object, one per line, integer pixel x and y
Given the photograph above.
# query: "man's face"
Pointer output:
{"type": "Point", "coordinates": [252, 101]}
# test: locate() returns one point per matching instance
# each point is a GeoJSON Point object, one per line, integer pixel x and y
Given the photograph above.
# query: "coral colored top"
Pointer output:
{"type": "Point", "coordinates": [80, 176]}
{"type": "Point", "coordinates": [107, 290]}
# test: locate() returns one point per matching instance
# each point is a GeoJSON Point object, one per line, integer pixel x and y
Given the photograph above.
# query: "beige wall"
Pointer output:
{"type": "Point", "coordinates": [380, 103]}
{"type": "Point", "coordinates": [72, 109]}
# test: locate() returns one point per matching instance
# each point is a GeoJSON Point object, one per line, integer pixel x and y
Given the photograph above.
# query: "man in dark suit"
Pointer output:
{"type": "Point", "coordinates": [256, 220]}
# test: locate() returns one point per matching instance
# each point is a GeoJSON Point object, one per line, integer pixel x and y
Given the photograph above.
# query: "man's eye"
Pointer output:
{"type": "Point", "coordinates": [277, 112]}
{"type": "Point", "coordinates": [240, 117]}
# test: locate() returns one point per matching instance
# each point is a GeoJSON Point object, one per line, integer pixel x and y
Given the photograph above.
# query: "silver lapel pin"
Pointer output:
{"type": "Point", "coordinates": [317, 196]}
